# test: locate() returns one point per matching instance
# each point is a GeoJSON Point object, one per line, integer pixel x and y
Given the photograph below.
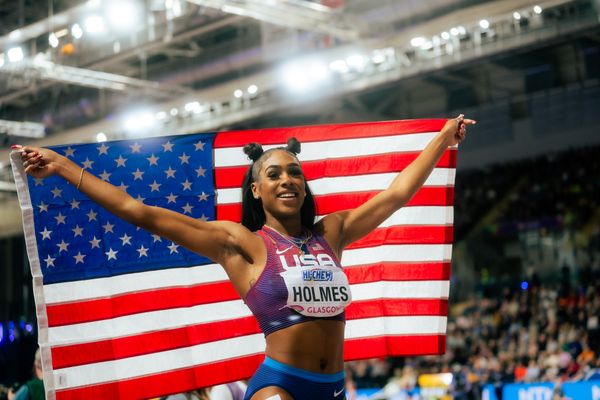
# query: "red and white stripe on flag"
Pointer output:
{"type": "Point", "coordinates": [144, 335]}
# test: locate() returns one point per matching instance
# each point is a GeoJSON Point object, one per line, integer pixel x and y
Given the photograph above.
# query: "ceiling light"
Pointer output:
{"type": "Point", "coordinates": [122, 15]}
{"type": "Point", "coordinates": [101, 137]}
{"type": "Point", "coordinates": [252, 89]}
{"type": "Point", "coordinates": [537, 9]}
{"type": "Point", "coordinates": [356, 61]}
{"type": "Point", "coordinates": [15, 35]}
{"type": "Point", "coordinates": [238, 93]}
{"type": "Point", "coordinates": [461, 30]}
{"type": "Point", "coordinates": [484, 24]}
{"type": "Point", "coordinates": [174, 111]}
{"type": "Point", "coordinates": [15, 54]}
{"type": "Point", "coordinates": [61, 33]}
{"type": "Point", "coordinates": [138, 121]}
{"type": "Point", "coordinates": [53, 40]}
{"type": "Point", "coordinates": [1, 60]}
{"type": "Point", "coordinates": [192, 106]}
{"type": "Point", "coordinates": [454, 31]}
{"type": "Point", "coordinates": [445, 35]}
{"type": "Point", "coordinates": [161, 115]}
{"type": "Point", "coordinates": [339, 66]}
{"type": "Point", "coordinates": [417, 41]}
{"type": "Point", "coordinates": [516, 16]}
{"type": "Point", "coordinates": [94, 24]}
{"type": "Point", "coordinates": [76, 31]}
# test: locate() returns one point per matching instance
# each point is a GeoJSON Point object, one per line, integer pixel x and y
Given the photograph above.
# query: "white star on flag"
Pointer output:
{"type": "Point", "coordinates": [39, 181]}
{"type": "Point", "coordinates": [112, 254]}
{"type": "Point", "coordinates": [171, 198]}
{"type": "Point", "coordinates": [69, 152]}
{"type": "Point", "coordinates": [173, 248]}
{"type": "Point", "coordinates": [185, 159]}
{"type": "Point", "coordinates": [60, 219]}
{"type": "Point", "coordinates": [56, 192]}
{"type": "Point", "coordinates": [79, 258]}
{"type": "Point", "coordinates": [103, 149]}
{"type": "Point", "coordinates": [91, 216]}
{"type": "Point", "coordinates": [125, 239]}
{"type": "Point", "coordinates": [143, 252]}
{"type": "Point", "coordinates": [120, 161]}
{"type": "Point", "coordinates": [187, 209]}
{"type": "Point", "coordinates": [135, 148]}
{"type": "Point", "coordinates": [156, 238]}
{"type": "Point", "coordinates": [123, 186]}
{"type": "Point", "coordinates": [75, 204]}
{"type": "Point", "coordinates": [46, 234]}
{"type": "Point", "coordinates": [43, 207]}
{"type": "Point", "coordinates": [170, 172]}
{"type": "Point", "coordinates": [199, 145]}
{"type": "Point", "coordinates": [140, 198]}
{"type": "Point", "coordinates": [153, 160]}
{"type": "Point", "coordinates": [200, 171]}
{"type": "Point", "coordinates": [167, 146]}
{"type": "Point", "coordinates": [187, 185]}
{"type": "Point", "coordinates": [87, 164]}
{"type": "Point", "coordinates": [155, 186]}
{"type": "Point", "coordinates": [78, 231]}
{"type": "Point", "coordinates": [62, 246]}
{"type": "Point", "coordinates": [108, 227]}
{"type": "Point", "coordinates": [95, 242]}
{"type": "Point", "coordinates": [137, 174]}
{"type": "Point", "coordinates": [105, 176]}
{"type": "Point", "coordinates": [49, 261]}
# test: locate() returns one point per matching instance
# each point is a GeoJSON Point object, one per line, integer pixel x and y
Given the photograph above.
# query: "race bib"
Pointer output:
{"type": "Point", "coordinates": [316, 286]}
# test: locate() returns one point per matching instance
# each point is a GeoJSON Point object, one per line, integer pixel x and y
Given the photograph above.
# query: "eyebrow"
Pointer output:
{"type": "Point", "coordinates": [279, 166]}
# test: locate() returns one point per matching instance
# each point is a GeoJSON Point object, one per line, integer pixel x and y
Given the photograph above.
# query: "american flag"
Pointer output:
{"type": "Point", "coordinates": [126, 314]}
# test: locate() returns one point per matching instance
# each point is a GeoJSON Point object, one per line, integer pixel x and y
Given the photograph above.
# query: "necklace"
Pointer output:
{"type": "Point", "coordinates": [300, 243]}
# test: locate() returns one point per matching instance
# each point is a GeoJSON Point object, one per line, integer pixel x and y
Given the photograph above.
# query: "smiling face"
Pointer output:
{"type": "Point", "coordinates": [280, 185]}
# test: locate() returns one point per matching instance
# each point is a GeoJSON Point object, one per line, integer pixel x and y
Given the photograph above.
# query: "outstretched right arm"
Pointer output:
{"type": "Point", "coordinates": [218, 240]}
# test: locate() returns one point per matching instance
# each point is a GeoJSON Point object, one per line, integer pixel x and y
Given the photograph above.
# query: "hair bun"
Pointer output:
{"type": "Point", "coordinates": [253, 151]}
{"type": "Point", "coordinates": [293, 145]}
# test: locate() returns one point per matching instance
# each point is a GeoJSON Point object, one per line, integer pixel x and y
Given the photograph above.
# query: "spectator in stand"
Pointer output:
{"type": "Point", "coordinates": [34, 388]}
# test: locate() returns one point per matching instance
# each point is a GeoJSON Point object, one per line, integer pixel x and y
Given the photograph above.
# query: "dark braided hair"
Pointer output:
{"type": "Point", "coordinates": [253, 215]}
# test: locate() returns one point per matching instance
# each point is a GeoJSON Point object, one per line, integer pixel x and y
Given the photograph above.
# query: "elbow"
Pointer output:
{"type": "Point", "coordinates": [135, 213]}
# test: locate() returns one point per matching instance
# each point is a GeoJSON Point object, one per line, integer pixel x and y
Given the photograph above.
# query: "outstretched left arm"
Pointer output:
{"type": "Point", "coordinates": [344, 227]}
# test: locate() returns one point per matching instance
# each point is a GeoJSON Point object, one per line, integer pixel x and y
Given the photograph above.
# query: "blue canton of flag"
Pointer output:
{"type": "Point", "coordinates": [77, 239]}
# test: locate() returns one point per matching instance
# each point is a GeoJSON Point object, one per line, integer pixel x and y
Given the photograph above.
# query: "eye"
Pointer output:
{"type": "Point", "coordinates": [295, 171]}
{"type": "Point", "coordinates": [272, 175]}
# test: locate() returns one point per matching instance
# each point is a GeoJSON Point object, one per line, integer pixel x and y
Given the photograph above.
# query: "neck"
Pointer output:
{"type": "Point", "coordinates": [287, 227]}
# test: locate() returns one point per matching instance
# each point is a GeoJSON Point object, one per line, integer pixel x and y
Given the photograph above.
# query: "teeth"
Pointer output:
{"type": "Point", "coordinates": [288, 195]}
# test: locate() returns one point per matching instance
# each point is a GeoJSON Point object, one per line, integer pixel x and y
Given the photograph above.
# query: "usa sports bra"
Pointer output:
{"type": "Point", "coordinates": [297, 286]}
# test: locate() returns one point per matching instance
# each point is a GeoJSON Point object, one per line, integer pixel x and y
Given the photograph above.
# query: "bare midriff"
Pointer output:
{"type": "Point", "coordinates": [316, 346]}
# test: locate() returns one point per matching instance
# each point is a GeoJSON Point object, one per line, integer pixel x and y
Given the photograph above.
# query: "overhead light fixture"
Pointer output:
{"type": "Point", "coordinates": [15, 54]}
{"type": "Point", "coordinates": [339, 66]}
{"type": "Point", "coordinates": [445, 35]}
{"type": "Point", "coordinates": [484, 24]}
{"type": "Point", "coordinates": [53, 40]}
{"type": "Point", "coordinates": [61, 33]}
{"type": "Point", "coordinates": [356, 61]}
{"type": "Point", "coordinates": [1, 60]}
{"type": "Point", "coordinates": [15, 35]}
{"type": "Point", "coordinates": [193, 106]}
{"type": "Point", "coordinates": [417, 41]}
{"type": "Point", "coordinates": [94, 24]}
{"type": "Point", "coordinates": [537, 9]}
{"type": "Point", "coordinates": [122, 15]}
{"type": "Point", "coordinates": [252, 89]}
{"type": "Point", "coordinates": [174, 111]}
{"type": "Point", "coordinates": [161, 115]}
{"type": "Point", "coordinates": [461, 30]}
{"type": "Point", "coordinates": [101, 137]}
{"type": "Point", "coordinates": [138, 121]}
{"type": "Point", "coordinates": [454, 31]}
{"type": "Point", "coordinates": [516, 16]}
{"type": "Point", "coordinates": [76, 31]}
{"type": "Point", "coordinates": [238, 93]}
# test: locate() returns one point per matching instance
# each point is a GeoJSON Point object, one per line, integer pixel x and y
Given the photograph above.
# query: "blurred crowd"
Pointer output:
{"type": "Point", "coordinates": [539, 333]}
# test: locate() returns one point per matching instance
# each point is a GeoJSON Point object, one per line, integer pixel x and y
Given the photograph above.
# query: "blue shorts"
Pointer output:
{"type": "Point", "coordinates": [299, 383]}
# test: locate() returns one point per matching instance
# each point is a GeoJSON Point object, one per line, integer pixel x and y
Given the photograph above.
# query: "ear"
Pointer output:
{"type": "Point", "coordinates": [255, 192]}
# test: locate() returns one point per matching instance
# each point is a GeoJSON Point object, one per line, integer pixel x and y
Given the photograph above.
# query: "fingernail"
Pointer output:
{"type": "Point", "coordinates": [15, 146]}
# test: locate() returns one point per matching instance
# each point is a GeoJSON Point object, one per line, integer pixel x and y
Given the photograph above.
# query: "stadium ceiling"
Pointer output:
{"type": "Point", "coordinates": [80, 70]}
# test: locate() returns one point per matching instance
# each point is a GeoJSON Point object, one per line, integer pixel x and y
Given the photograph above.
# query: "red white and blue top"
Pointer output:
{"type": "Point", "coordinates": [298, 284]}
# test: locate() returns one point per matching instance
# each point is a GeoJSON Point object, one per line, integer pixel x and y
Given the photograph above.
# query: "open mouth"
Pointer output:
{"type": "Point", "coordinates": [287, 195]}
